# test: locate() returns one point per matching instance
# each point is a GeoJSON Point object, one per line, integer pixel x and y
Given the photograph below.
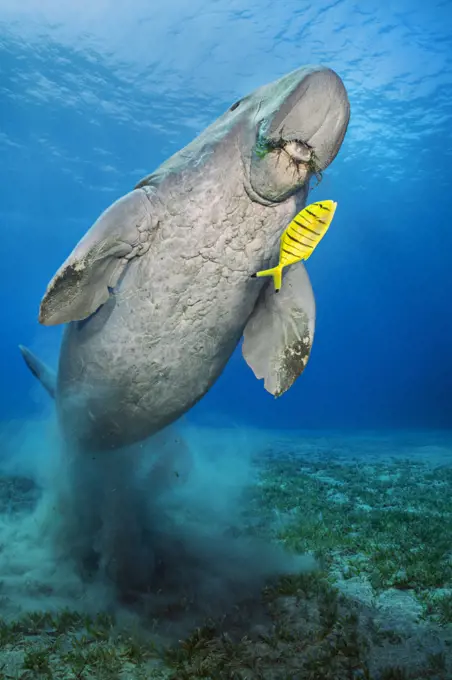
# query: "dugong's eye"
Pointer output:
{"type": "Point", "coordinates": [236, 105]}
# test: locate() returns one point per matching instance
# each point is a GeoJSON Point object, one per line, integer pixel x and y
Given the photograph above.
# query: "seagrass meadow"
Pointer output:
{"type": "Point", "coordinates": [375, 513]}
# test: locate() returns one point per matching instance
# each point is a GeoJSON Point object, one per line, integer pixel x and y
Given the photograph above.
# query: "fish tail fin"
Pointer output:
{"type": "Point", "coordinates": [276, 272]}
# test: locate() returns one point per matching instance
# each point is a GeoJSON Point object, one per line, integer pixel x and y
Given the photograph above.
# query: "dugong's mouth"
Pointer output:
{"type": "Point", "coordinates": [299, 124]}
{"type": "Point", "coordinates": [294, 159]}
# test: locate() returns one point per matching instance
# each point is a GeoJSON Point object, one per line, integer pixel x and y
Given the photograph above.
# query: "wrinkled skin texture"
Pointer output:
{"type": "Point", "coordinates": [158, 293]}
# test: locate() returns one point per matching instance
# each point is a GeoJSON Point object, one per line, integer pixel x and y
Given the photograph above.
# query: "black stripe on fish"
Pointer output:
{"type": "Point", "coordinates": [287, 251]}
{"type": "Point", "coordinates": [307, 228]}
{"type": "Point", "coordinates": [298, 241]}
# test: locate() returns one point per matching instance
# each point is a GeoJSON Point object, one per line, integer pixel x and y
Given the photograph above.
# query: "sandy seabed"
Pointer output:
{"type": "Point", "coordinates": [228, 553]}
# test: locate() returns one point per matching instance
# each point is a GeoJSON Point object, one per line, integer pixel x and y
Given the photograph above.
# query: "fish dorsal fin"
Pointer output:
{"type": "Point", "coordinates": [279, 333]}
{"type": "Point", "coordinates": [84, 281]}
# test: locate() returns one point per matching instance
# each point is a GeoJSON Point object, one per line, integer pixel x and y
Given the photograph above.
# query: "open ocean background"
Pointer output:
{"type": "Point", "coordinates": [95, 96]}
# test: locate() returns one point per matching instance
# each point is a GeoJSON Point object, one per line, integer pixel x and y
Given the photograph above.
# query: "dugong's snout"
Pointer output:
{"type": "Point", "coordinates": [316, 113]}
{"type": "Point", "coordinates": [300, 122]}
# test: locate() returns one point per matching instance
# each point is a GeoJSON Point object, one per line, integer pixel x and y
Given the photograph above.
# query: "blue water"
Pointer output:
{"type": "Point", "coordinates": [94, 98]}
{"type": "Point", "coordinates": [94, 95]}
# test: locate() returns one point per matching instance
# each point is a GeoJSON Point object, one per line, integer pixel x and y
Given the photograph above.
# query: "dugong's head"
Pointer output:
{"type": "Point", "coordinates": [290, 129]}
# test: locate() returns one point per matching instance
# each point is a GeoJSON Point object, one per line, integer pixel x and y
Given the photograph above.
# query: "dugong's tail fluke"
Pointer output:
{"type": "Point", "coordinates": [45, 375]}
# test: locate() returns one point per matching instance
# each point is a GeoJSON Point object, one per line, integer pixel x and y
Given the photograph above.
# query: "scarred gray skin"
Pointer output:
{"type": "Point", "coordinates": [159, 291]}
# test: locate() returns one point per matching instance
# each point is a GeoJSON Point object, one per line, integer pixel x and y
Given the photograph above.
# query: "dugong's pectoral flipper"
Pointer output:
{"type": "Point", "coordinates": [83, 282]}
{"type": "Point", "coordinates": [279, 333]}
{"type": "Point", "coordinates": [43, 373]}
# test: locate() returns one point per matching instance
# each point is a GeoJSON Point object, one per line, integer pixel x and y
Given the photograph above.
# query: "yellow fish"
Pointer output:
{"type": "Point", "coordinates": [301, 237]}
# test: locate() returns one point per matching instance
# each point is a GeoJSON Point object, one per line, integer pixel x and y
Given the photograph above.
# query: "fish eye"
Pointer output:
{"type": "Point", "coordinates": [236, 105]}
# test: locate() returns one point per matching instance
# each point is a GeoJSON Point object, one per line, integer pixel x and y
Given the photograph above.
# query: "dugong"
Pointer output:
{"type": "Point", "coordinates": [158, 293]}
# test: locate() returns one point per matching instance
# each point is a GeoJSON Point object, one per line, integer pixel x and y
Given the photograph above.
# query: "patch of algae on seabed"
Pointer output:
{"type": "Point", "coordinates": [378, 608]}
